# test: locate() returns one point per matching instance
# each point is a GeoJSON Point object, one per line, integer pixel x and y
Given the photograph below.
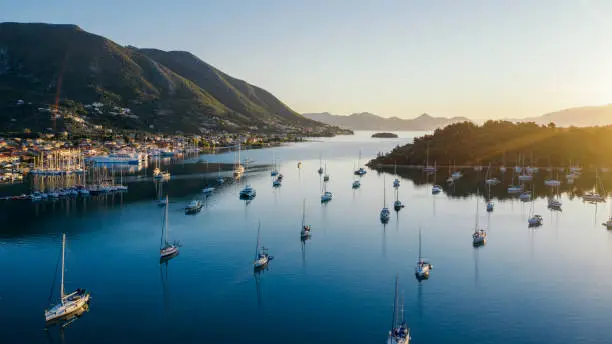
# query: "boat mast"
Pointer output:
{"type": "Point", "coordinates": [384, 192]}
{"type": "Point", "coordinates": [476, 228]}
{"type": "Point", "coordinates": [303, 212]}
{"type": "Point", "coordinates": [63, 254]}
{"type": "Point", "coordinates": [419, 243]}
{"type": "Point", "coordinates": [394, 321]}
{"type": "Point", "coordinates": [258, 238]}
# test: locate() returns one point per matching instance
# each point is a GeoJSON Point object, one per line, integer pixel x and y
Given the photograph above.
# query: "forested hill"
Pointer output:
{"type": "Point", "coordinates": [504, 143]}
{"type": "Point", "coordinates": [43, 66]}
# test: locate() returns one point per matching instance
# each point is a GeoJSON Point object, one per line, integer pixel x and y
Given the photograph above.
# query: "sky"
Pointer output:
{"type": "Point", "coordinates": [475, 58]}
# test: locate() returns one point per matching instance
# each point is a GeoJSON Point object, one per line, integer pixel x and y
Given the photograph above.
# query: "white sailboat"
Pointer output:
{"type": "Point", "coordinates": [385, 214]}
{"type": "Point", "coordinates": [360, 171]}
{"type": "Point", "coordinates": [396, 182]}
{"type": "Point", "coordinates": [427, 168]}
{"type": "Point", "coordinates": [593, 196]}
{"type": "Point", "coordinates": [261, 253]}
{"type": "Point", "coordinates": [320, 170]}
{"type": "Point", "coordinates": [326, 176]}
{"type": "Point", "coordinates": [534, 220]}
{"type": "Point", "coordinates": [400, 332]}
{"type": "Point", "coordinates": [305, 231]}
{"type": "Point", "coordinates": [68, 303]}
{"type": "Point", "coordinates": [167, 249]}
{"type": "Point", "coordinates": [220, 179]}
{"type": "Point", "coordinates": [480, 235]}
{"type": "Point", "coordinates": [274, 171]}
{"type": "Point", "coordinates": [326, 196]}
{"type": "Point", "coordinates": [248, 192]}
{"type": "Point", "coordinates": [423, 267]}
{"type": "Point", "coordinates": [238, 168]}
{"type": "Point", "coordinates": [397, 205]}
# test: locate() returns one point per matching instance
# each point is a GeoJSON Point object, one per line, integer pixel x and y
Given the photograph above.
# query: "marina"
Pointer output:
{"type": "Point", "coordinates": [114, 249]}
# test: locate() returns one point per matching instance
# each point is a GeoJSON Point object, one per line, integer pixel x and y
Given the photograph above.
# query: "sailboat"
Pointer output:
{"type": "Point", "coordinates": [436, 189]}
{"type": "Point", "coordinates": [238, 168]}
{"type": "Point", "coordinates": [385, 214]}
{"type": "Point", "coordinates": [490, 205]}
{"type": "Point", "coordinates": [423, 267]}
{"type": "Point", "coordinates": [167, 249]}
{"type": "Point", "coordinates": [220, 179]}
{"type": "Point", "coordinates": [400, 332]}
{"type": "Point", "coordinates": [480, 235]}
{"type": "Point", "coordinates": [360, 171]}
{"type": "Point", "coordinates": [320, 170]}
{"type": "Point", "coordinates": [326, 196]}
{"type": "Point", "coordinates": [70, 303]}
{"type": "Point", "coordinates": [274, 171]}
{"type": "Point", "coordinates": [261, 253]}
{"type": "Point", "coordinates": [161, 200]}
{"type": "Point", "coordinates": [427, 168]}
{"type": "Point", "coordinates": [248, 192]}
{"type": "Point", "coordinates": [305, 231]}
{"type": "Point", "coordinates": [512, 188]}
{"type": "Point", "coordinates": [326, 176]}
{"type": "Point", "coordinates": [397, 205]}
{"type": "Point", "coordinates": [396, 182]}
{"type": "Point", "coordinates": [193, 207]}
{"type": "Point", "coordinates": [593, 196]}
{"type": "Point", "coordinates": [534, 220]}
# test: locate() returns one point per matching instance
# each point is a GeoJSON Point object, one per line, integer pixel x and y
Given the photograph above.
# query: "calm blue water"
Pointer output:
{"type": "Point", "coordinates": [548, 285]}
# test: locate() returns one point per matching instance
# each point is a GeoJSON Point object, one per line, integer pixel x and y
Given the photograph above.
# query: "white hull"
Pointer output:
{"type": "Point", "coordinates": [168, 251]}
{"type": "Point", "coordinates": [261, 262]}
{"type": "Point", "coordinates": [69, 307]}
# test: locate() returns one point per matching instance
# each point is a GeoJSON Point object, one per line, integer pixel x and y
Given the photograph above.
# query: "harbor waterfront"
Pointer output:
{"type": "Point", "coordinates": [549, 284]}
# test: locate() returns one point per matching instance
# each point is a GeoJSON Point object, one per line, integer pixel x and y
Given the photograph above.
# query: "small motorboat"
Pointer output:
{"type": "Point", "coordinates": [608, 223]}
{"type": "Point", "coordinates": [396, 183]}
{"type": "Point", "coordinates": [276, 182]}
{"type": "Point", "coordinates": [436, 189]}
{"type": "Point", "coordinates": [356, 184]}
{"type": "Point", "coordinates": [490, 206]}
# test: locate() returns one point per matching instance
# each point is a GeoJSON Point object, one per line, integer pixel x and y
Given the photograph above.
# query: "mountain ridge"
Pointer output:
{"type": "Point", "coordinates": [45, 64]}
{"type": "Point", "coordinates": [370, 121]}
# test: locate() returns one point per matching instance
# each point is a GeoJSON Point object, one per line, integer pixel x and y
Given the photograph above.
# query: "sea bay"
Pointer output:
{"type": "Point", "coordinates": [526, 285]}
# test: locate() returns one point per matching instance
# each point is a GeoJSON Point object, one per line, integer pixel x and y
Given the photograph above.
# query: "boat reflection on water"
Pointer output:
{"type": "Point", "coordinates": [257, 273]}
{"type": "Point", "coordinates": [68, 319]}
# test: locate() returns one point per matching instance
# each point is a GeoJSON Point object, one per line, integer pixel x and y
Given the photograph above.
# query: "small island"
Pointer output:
{"type": "Point", "coordinates": [384, 136]}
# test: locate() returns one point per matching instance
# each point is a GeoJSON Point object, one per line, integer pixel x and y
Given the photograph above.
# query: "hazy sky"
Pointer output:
{"type": "Point", "coordinates": [473, 58]}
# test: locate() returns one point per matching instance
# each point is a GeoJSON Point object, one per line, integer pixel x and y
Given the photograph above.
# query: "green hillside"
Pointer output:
{"type": "Point", "coordinates": [44, 64]}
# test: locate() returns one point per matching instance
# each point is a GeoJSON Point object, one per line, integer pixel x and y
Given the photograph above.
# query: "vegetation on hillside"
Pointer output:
{"type": "Point", "coordinates": [504, 143]}
{"type": "Point", "coordinates": [45, 64]}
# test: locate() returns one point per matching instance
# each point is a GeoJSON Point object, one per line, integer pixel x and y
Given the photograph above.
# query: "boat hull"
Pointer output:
{"type": "Point", "coordinates": [69, 307]}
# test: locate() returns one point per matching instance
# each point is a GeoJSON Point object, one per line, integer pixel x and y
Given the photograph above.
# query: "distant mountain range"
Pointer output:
{"type": "Point", "coordinates": [368, 121]}
{"type": "Point", "coordinates": [166, 90]}
{"type": "Point", "coordinates": [586, 116]}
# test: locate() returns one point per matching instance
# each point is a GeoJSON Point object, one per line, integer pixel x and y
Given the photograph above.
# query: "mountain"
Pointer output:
{"type": "Point", "coordinates": [42, 64]}
{"type": "Point", "coordinates": [368, 121]}
{"type": "Point", "coordinates": [586, 116]}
